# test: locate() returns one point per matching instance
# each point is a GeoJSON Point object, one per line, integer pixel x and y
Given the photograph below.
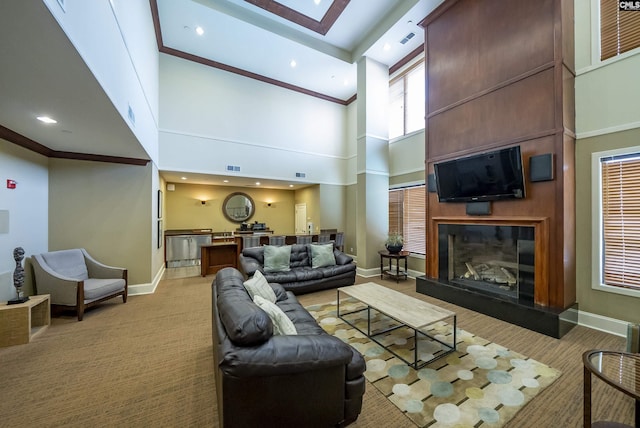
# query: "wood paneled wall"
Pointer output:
{"type": "Point", "coordinates": [500, 73]}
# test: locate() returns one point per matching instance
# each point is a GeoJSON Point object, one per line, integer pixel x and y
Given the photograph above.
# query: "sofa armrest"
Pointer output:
{"type": "Point", "coordinates": [286, 355]}
{"type": "Point", "coordinates": [100, 270]}
{"type": "Point", "coordinates": [342, 258]}
{"type": "Point", "coordinates": [62, 289]}
{"type": "Point", "coordinates": [278, 289]}
{"type": "Point", "coordinates": [249, 266]}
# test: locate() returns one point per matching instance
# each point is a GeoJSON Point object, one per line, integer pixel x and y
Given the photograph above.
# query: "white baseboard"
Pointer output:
{"type": "Point", "coordinates": [602, 323]}
{"type": "Point", "coordinates": [148, 288]}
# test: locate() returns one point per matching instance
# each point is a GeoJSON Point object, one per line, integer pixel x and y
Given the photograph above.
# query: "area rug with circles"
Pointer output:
{"type": "Point", "coordinates": [480, 384]}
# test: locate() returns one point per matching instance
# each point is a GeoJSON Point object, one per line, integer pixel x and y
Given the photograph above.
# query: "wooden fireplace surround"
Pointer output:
{"type": "Point", "coordinates": [492, 86]}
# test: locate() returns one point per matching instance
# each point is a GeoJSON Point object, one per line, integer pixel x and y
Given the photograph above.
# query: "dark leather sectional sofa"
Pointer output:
{"type": "Point", "coordinates": [310, 379]}
{"type": "Point", "coordinates": [302, 278]}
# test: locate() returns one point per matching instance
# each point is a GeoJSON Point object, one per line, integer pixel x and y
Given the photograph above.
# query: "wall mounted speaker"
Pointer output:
{"type": "Point", "coordinates": [479, 208]}
{"type": "Point", "coordinates": [541, 167]}
{"type": "Point", "coordinates": [431, 183]}
{"type": "Point", "coordinates": [171, 187]}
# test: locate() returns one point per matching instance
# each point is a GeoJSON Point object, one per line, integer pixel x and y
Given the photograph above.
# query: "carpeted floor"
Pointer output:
{"type": "Point", "coordinates": [148, 363]}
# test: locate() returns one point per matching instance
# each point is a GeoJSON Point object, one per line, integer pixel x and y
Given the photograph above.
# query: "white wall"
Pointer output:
{"type": "Point", "coordinates": [211, 118]}
{"type": "Point", "coordinates": [28, 211]}
{"type": "Point", "coordinates": [607, 92]}
{"type": "Point", "coordinates": [407, 155]}
{"type": "Point", "coordinates": [116, 40]}
{"type": "Point", "coordinates": [607, 118]}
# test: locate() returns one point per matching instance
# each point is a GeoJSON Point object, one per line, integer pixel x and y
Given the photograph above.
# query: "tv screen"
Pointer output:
{"type": "Point", "coordinates": [484, 177]}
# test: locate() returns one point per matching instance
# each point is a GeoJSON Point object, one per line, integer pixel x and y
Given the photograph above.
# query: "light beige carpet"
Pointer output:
{"type": "Point", "coordinates": [481, 384]}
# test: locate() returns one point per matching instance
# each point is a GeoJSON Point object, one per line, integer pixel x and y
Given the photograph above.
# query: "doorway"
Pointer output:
{"type": "Point", "coordinates": [301, 219]}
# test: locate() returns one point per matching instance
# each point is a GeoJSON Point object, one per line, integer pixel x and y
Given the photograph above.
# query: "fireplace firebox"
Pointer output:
{"type": "Point", "coordinates": [489, 259]}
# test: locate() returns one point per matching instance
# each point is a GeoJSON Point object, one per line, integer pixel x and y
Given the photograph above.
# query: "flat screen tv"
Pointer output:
{"type": "Point", "coordinates": [487, 176]}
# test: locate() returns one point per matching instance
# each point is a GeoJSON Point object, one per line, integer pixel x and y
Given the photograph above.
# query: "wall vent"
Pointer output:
{"type": "Point", "coordinates": [407, 38]}
{"type": "Point", "coordinates": [234, 168]}
{"type": "Point", "coordinates": [301, 174]}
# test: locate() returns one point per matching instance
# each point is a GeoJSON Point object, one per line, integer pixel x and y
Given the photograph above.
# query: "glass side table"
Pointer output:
{"type": "Point", "coordinates": [621, 370]}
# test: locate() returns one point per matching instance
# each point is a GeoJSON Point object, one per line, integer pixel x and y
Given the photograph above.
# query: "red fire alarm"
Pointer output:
{"type": "Point", "coordinates": [11, 184]}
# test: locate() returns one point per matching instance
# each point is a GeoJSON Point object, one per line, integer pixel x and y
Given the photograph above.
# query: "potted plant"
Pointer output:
{"type": "Point", "coordinates": [394, 243]}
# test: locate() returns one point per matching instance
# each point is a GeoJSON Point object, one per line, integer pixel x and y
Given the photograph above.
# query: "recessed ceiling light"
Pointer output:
{"type": "Point", "coordinates": [183, 178]}
{"type": "Point", "coordinates": [257, 183]}
{"type": "Point", "coordinates": [386, 46]}
{"type": "Point", "coordinates": [317, 2]}
{"type": "Point", "coordinates": [225, 181]}
{"type": "Point", "coordinates": [199, 30]}
{"type": "Point", "coordinates": [293, 63]}
{"type": "Point", "coordinates": [46, 119]}
{"type": "Point", "coordinates": [290, 185]}
{"type": "Point", "coordinates": [346, 82]}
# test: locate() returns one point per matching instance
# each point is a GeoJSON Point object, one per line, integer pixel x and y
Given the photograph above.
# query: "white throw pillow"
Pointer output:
{"type": "Point", "coordinates": [282, 325]}
{"type": "Point", "coordinates": [258, 286]}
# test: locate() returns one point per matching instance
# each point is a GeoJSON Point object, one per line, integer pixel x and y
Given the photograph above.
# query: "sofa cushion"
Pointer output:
{"type": "Point", "coordinates": [276, 258]}
{"type": "Point", "coordinates": [299, 256]}
{"type": "Point", "coordinates": [245, 323]}
{"type": "Point", "coordinates": [282, 325]}
{"type": "Point", "coordinates": [97, 288]}
{"type": "Point", "coordinates": [322, 255]}
{"type": "Point", "coordinates": [69, 263]}
{"type": "Point", "coordinates": [258, 286]}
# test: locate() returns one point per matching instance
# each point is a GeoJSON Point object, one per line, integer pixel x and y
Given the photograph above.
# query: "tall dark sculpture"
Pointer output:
{"type": "Point", "coordinates": [18, 277]}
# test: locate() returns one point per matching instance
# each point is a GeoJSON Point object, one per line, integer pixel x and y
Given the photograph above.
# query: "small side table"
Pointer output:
{"type": "Point", "coordinates": [21, 322]}
{"type": "Point", "coordinates": [398, 272]}
{"type": "Point", "coordinates": [219, 255]}
{"type": "Point", "coordinates": [621, 370]}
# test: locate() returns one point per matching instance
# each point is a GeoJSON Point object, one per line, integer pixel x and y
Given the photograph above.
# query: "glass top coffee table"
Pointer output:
{"type": "Point", "coordinates": [376, 311]}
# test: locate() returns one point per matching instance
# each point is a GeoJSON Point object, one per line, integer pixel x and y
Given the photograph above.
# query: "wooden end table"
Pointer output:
{"type": "Point", "coordinates": [399, 272]}
{"type": "Point", "coordinates": [21, 322]}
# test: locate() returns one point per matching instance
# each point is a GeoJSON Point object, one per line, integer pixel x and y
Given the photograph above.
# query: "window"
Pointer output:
{"type": "Point", "coordinates": [406, 102]}
{"type": "Point", "coordinates": [617, 258]}
{"type": "Point", "coordinates": [407, 216]}
{"type": "Point", "coordinates": [619, 29]}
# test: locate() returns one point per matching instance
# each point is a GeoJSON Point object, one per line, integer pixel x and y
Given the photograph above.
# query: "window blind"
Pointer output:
{"type": "Point", "coordinates": [621, 221]}
{"type": "Point", "coordinates": [396, 200]}
{"type": "Point", "coordinates": [414, 220]}
{"type": "Point", "coordinates": [407, 216]}
{"type": "Point", "coordinates": [619, 29]}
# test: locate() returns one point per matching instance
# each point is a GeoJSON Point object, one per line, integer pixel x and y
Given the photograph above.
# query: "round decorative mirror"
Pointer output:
{"type": "Point", "coordinates": [238, 207]}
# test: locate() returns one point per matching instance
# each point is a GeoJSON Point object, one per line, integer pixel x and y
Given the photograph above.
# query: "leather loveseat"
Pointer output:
{"type": "Point", "coordinates": [308, 379]}
{"type": "Point", "coordinates": [301, 277]}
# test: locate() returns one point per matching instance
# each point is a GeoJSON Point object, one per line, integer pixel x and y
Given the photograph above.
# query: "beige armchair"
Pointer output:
{"type": "Point", "coordinates": [74, 279]}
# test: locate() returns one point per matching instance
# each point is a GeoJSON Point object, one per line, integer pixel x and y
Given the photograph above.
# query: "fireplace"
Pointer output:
{"type": "Point", "coordinates": [497, 260]}
{"type": "Point", "coordinates": [498, 266]}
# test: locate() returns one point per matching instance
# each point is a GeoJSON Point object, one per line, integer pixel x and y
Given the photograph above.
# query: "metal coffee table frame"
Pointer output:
{"type": "Point", "coordinates": [402, 324]}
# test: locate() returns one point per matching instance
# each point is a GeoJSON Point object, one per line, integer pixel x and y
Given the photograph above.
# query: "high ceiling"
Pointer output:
{"type": "Point", "coordinates": [264, 36]}
{"type": "Point", "coordinates": [42, 72]}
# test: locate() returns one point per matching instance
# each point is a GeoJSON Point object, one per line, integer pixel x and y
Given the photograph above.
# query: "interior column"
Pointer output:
{"type": "Point", "coordinates": [372, 205]}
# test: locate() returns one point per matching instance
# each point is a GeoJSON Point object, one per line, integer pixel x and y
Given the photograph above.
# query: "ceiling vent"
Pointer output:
{"type": "Point", "coordinates": [233, 168]}
{"type": "Point", "coordinates": [407, 38]}
{"type": "Point", "coordinates": [300, 175]}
